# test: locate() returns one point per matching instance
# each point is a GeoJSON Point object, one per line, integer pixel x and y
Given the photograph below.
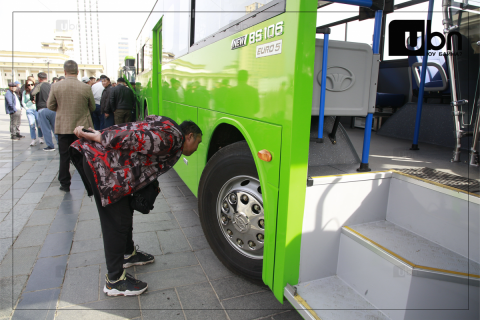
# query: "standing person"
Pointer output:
{"type": "Point", "coordinates": [24, 85]}
{"type": "Point", "coordinates": [46, 118]}
{"type": "Point", "coordinates": [97, 116]}
{"type": "Point", "coordinates": [114, 164]}
{"type": "Point", "coordinates": [105, 103]}
{"type": "Point", "coordinates": [86, 80]}
{"type": "Point", "coordinates": [54, 80]}
{"type": "Point", "coordinates": [32, 114]}
{"type": "Point", "coordinates": [93, 80]}
{"type": "Point", "coordinates": [122, 102]}
{"type": "Point", "coordinates": [73, 101]}
{"type": "Point", "coordinates": [114, 83]}
{"type": "Point", "coordinates": [12, 107]}
{"type": "Point", "coordinates": [61, 78]}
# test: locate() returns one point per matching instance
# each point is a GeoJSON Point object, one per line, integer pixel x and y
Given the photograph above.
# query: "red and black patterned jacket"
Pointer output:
{"type": "Point", "coordinates": [129, 156]}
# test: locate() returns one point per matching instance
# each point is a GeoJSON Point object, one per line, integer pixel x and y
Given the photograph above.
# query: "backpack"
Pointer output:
{"type": "Point", "coordinates": [143, 199]}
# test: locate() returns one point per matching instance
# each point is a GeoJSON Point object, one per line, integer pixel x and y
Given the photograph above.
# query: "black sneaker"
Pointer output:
{"type": "Point", "coordinates": [64, 188]}
{"type": "Point", "coordinates": [14, 138]}
{"type": "Point", "coordinates": [125, 286]}
{"type": "Point", "coordinates": [19, 136]}
{"type": "Point", "coordinates": [137, 258]}
{"type": "Point", "coordinates": [48, 149]}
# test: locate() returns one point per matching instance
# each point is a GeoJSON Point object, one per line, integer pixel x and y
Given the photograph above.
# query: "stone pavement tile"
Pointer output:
{"type": "Point", "coordinates": [53, 191]}
{"type": "Point", "coordinates": [87, 245]}
{"type": "Point", "coordinates": [11, 229]}
{"type": "Point", "coordinates": [21, 211]}
{"type": "Point", "coordinates": [5, 244]}
{"type": "Point", "coordinates": [39, 187]}
{"type": "Point", "coordinates": [235, 286]}
{"type": "Point", "coordinates": [47, 273]}
{"type": "Point", "coordinates": [63, 223]}
{"type": "Point", "coordinates": [288, 315]}
{"type": "Point", "coordinates": [45, 178]}
{"type": "Point", "coordinates": [88, 229]}
{"type": "Point", "coordinates": [172, 241]}
{"type": "Point", "coordinates": [23, 261]}
{"type": "Point", "coordinates": [170, 183]}
{"type": "Point", "coordinates": [172, 278]}
{"type": "Point", "coordinates": [5, 169]}
{"type": "Point", "coordinates": [31, 236]}
{"type": "Point", "coordinates": [155, 226]}
{"type": "Point", "coordinates": [41, 217]}
{"type": "Point", "coordinates": [23, 183]}
{"type": "Point", "coordinates": [170, 192]}
{"type": "Point", "coordinates": [74, 194]}
{"type": "Point", "coordinates": [162, 304]}
{"type": "Point", "coordinates": [50, 202]}
{"type": "Point", "coordinates": [31, 198]}
{"type": "Point", "coordinates": [69, 206]}
{"type": "Point", "coordinates": [87, 258]}
{"type": "Point", "coordinates": [29, 176]}
{"type": "Point", "coordinates": [193, 232]}
{"type": "Point", "coordinates": [148, 242]}
{"type": "Point", "coordinates": [198, 243]}
{"type": "Point", "coordinates": [88, 213]}
{"type": "Point", "coordinates": [11, 289]}
{"type": "Point", "coordinates": [254, 306]}
{"type": "Point", "coordinates": [80, 286]}
{"type": "Point", "coordinates": [169, 261]}
{"type": "Point", "coordinates": [152, 217]}
{"type": "Point", "coordinates": [160, 205]}
{"type": "Point", "coordinates": [75, 184]}
{"type": "Point", "coordinates": [186, 205]}
{"type": "Point", "coordinates": [212, 266]}
{"type": "Point", "coordinates": [200, 302]}
{"type": "Point", "coordinates": [7, 205]}
{"type": "Point", "coordinates": [3, 215]}
{"type": "Point", "coordinates": [186, 218]}
{"type": "Point", "coordinates": [4, 187]}
{"type": "Point", "coordinates": [13, 193]}
{"type": "Point", "coordinates": [186, 191]}
{"type": "Point", "coordinates": [19, 172]}
{"type": "Point", "coordinates": [109, 309]}
{"type": "Point", "coordinates": [37, 305]}
{"type": "Point", "coordinates": [57, 244]}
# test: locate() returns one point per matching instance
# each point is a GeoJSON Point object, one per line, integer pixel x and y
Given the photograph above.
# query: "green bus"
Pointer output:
{"type": "Point", "coordinates": [250, 75]}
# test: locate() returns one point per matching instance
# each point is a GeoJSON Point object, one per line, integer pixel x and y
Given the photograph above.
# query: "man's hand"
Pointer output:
{"type": "Point", "coordinates": [106, 115]}
{"type": "Point", "coordinates": [94, 136]}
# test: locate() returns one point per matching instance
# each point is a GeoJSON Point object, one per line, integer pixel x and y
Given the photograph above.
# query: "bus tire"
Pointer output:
{"type": "Point", "coordinates": [237, 241]}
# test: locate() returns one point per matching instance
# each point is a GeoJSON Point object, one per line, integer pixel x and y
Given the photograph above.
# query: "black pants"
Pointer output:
{"type": "Point", "coordinates": [64, 142]}
{"type": "Point", "coordinates": [116, 220]}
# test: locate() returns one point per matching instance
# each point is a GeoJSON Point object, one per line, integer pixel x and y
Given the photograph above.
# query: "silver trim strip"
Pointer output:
{"type": "Point", "coordinates": [300, 308]}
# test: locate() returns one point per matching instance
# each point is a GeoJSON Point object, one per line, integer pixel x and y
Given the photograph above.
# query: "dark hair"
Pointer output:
{"type": "Point", "coordinates": [188, 127]}
{"type": "Point", "coordinates": [42, 75]}
{"type": "Point", "coordinates": [70, 67]}
{"type": "Point", "coordinates": [27, 89]}
{"type": "Point", "coordinates": [54, 78]}
{"type": "Point", "coordinates": [92, 78]}
{"type": "Point", "coordinates": [61, 78]}
{"type": "Point", "coordinates": [107, 78]}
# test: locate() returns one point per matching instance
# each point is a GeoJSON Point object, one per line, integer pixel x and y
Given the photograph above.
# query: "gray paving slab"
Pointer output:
{"type": "Point", "coordinates": [87, 245]}
{"type": "Point", "coordinates": [50, 202]}
{"type": "Point", "coordinates": [37, 305]}
{"type": "Point", "coordinates": [31, 198]}
{"type": "Point", "coordinates": [19, 261]}
{"type": "Point", "coordinates": [212, 266]}
{"type": "Point", "coordinates": [57, 244]}
{"type": "Point", "coordinates": [7, 205]}
{"type": "Point", "coordinates": [116, 308]}
{"type": "Point", "coordinates": [198, 243]}
{"type": "Point", "coordinates": [200, 302]}
{"type": "Point", "coordinates": [74, 194]}
{"type": "Point", "coordinates": [231, 287]}
{"type": "Point", "coordinates": [24, 183]}
{"type": "Point", "coordinates": [21, 211]}
{"type": "Point", "coordinates": [186, 191]}
{"type": "Point", "coordinates": [47, 273]}
{"type": "Point", "coordinates": [148, 242]}
{"type": "Point", "coordinates": [88, 213]}
{"type": "Point", "coordinates": [170, 192]}
{"type": "Point", "coordinates": [31, 236]}
{"type": "Point", "coordinates": [75, 184]}
{"type": "Point", "coordinates": [155, 226]}
{"type": "Point", "coordinates": [15, 193]}
{"type": "Point", "coordinates": [11, 289]}
{"type": "Point", "coordinates": [169, 261]}
{"type": "Point", "coordinates": [45, 178]}
{"type": "Point", "coordinates": [193, 232]}
{"type": "Point", "coordinates": [88, 229]}
{"type": "Point", "coordinates": [53, 191]}
{"type": "Point", "coordinates": [63, 223]}
{"type": "Point", "coordinates": [41, 217]}
{"type": "Point", "coordinates": [88, 258]}
{"type": "Point", "coordinates": [69, 206]}
{"type": "Point", "coordinates": [162, 216]}
{"type": "Point", "coordinates": [287, 315]}
{"type": "Point", "coordinates": [186, 218]}
{"type": "Point", "coordinates": [163, 304]}
{"type": "Point", "coordinates": [5, 243]}
{"type": "Point", "coordinates": [160, 205]}
{"type": "Point", "coordinates": [80, 286]}
{"type": "Point", "coordinates": [254, 306]}
{"type": "Point", "coordinates": [172, 278]}
{"type": "Point", "coordinates": [172, 241]}
{"type": "Point", "coordinates": [11, 228]}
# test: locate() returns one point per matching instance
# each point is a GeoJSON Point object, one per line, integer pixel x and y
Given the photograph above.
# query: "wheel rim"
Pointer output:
{"type": "Point", "coordinates": [241, 217]}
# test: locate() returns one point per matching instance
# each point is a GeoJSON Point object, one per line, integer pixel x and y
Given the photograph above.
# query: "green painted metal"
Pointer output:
{"type": "Point", "coordinates": [269, 101]}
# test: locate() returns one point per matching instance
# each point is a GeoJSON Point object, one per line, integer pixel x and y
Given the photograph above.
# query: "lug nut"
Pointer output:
{"type": "Point", "coordinates": [240, 242]}
{"type": "Point", "coordinates": [260, 237]}
{"type": "Point", "coordinates": [261, 223]}
{"type": "Point", "coordinates": [244, 199]}
{"type": "Point", "coordinates": [251, 244]}
{"type": "Point", "coordinates": [225, 205]}
{"type": "Point", "coordinates": [224, 219]}
{"type": "Point", "coordinates": [256, 208]}
{"type": "Point", "coordinates": [229, 232]}
{"type": "Point", "coordinates": [233, 197]}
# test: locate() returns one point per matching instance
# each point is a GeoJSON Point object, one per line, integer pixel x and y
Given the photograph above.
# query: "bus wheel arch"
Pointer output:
{"type": "Point", "coordinates": [223, 135]}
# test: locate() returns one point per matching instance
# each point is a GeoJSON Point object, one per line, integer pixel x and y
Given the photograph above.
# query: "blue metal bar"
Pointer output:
{"type": "Point", "coordinates": [377, 31]}
{"type": "Point", "coordinates": [422, 81]}
{"type": "Point", "coordinates": [361, 3]}
{"type": "Point", "coordinates": [321, 112]}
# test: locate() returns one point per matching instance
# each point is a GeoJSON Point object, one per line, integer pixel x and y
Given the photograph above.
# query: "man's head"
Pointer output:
{"type": "Point", "coordinates": [101, 78]}
{"type": "Point", "coordinates": [121, 81]}
{"type": "Point", "coordinates": [193, 137]}
{"type": "Point", "coordinates": [55, 79]}
{"type": "Point", "coordinates": [106, 82]}
{"type": "Point", "coordinates": [42, 77]}
{"type": "Point", "coordinates": [86, 80]}
{"type": "Point", "coordinates": [12, 86]}
{"type": "Point", "coordinates": [92, 81]}
{"type": "Point", "coordinates": [114, 83]}
{"type": "Point", "coordinates": [18, 84]}
{"type": "Point", "coordinates": [61, 78]}
{"type": "Point", "coordinates": [70, 67]}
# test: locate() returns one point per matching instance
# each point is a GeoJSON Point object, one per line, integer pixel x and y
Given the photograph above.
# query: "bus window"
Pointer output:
{"type": "Point", "coordinates": [177, 22]}
{"type": "Point", "coordinates": [212, 15]}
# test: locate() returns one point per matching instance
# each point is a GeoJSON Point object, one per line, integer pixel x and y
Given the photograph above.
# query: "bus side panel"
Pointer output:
{"type": "Point", "coordinates": [259, 136]}
{"type": "Point", "coordinates": [186, 167]}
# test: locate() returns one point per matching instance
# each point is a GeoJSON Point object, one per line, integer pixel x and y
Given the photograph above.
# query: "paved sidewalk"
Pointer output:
{"type": "Point", "coordinates": [52, 259]}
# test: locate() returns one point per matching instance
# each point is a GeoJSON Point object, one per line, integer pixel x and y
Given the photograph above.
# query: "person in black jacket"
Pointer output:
{"type": "Point", "coordinates": [46, 117]}
{"type": "Point", "coordinates": [105, 103]}
{"type": "Point", "coordinates": [122, 101]}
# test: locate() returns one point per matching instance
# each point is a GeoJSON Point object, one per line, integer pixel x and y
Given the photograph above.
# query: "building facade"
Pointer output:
{"type": "Point", "coordinates": [122, 50]}
{"type": "Point", "coordinates": [87, 48]}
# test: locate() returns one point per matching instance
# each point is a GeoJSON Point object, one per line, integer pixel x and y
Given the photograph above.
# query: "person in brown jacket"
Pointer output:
{"type": "Point", "coordinates": [73, 101]}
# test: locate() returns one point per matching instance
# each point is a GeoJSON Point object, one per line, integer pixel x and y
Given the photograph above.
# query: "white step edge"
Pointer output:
{"type": "Point", "coordinates": [299, 304]}
{"type": "Point", "coordinates": [406, 265]}
{"type": "Point", "coordinates": [351, 177]}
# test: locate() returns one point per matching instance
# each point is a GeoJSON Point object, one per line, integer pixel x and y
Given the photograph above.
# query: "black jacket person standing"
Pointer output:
{"type": "Point", "coordinates": [122, 101]}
